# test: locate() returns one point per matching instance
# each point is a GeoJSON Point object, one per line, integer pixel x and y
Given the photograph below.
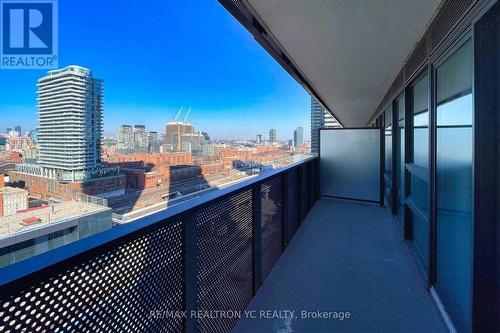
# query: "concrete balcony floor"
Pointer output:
{"type": "Point", "coordinates": [346, 257]}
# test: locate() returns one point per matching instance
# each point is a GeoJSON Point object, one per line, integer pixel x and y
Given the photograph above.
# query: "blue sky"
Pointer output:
{"type": "Point", "coordinates": [155, 56]}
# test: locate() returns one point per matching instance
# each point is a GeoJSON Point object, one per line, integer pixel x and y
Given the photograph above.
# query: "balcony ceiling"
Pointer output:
{"type": "Point", "coordinates": [348, 50]}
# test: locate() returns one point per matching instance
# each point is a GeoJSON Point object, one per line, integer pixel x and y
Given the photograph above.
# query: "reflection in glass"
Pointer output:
{"type": "Point", "coordinates": [419, 194]}
{"type": "Point", "coordinates": [454, 185]}
{"type": "Point", "coordinates": [419, 95]}
{"type": "Point", "coordinates": [421, 238]}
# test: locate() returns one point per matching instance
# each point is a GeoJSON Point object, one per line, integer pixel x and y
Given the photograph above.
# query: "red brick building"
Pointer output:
{"type": "Point", "coordinates": [48, 187]}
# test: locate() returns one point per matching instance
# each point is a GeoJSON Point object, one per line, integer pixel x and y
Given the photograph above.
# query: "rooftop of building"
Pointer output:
{"type": "Point", "coordinates": [70, 69]}
{"type": "Point", "coordinates": [11, 190]}
{"type": "Point", "coordinates": [45, 216]}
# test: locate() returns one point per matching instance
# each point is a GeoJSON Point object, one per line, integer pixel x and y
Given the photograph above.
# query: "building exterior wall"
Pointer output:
{"type": "Point", "coordinates": [87, 225]}
{"type": "Point", "coordinates": [70, 122]}
{"type": "Point", "coordinates": [48, 187]}
{"type": "Point", "coordinates": [125, 138]}
{"type": "Point", "coordinates": [12, 200]}
{"type": "Point", "coordinates": [320, 118]}
{"type": "Point", "coordinates": [298, 136]}
{"type": "Point", "coordinates": [272, 135]}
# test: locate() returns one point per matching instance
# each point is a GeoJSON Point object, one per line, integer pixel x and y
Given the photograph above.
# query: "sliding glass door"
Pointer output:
{"type": "Point", "coordinates": [454, 225]}
{"type": "Point", "coordinates": [418, 200]}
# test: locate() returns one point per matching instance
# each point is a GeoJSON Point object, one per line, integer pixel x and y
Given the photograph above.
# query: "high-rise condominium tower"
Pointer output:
{"type": "Point", "coordinates": [70, 114]}
{"type": "Point", "coordinates": [125, 139]}
{"type": "Point", "coordinates": [272, 135]}
{"type": "Point", "coordinates": [298, 136]}
{"type": "Point", "coordinates": [320, 118]}
{"type": "Point", "coordinates": [140, 138]}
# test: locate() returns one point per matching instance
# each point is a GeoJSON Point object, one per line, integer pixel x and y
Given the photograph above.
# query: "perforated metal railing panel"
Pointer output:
{"type": "Point", "coordinates": [292, 209]}
{"type": "Point", "coordinates": [304, 193]}
{"type": "Point", "coordinates": [206, 258]}
{"type": "Point", "coordinates": [224, 241]}
{"type": "Point", "coordinates": [115, 291]}
{"type": "Point", "coordinates": [271, 224]}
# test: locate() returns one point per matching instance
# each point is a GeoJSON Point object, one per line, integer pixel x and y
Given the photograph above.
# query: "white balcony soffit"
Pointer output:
{"type": "Point", "coordinates": [348, 50]}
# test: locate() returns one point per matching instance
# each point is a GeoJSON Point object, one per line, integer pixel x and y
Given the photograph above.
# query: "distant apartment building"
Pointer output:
{"type": "Point", "coordinates": [193, 143]}
{"type": "Point", "coordinates": [213, 150]}
{"type": "Point", "coordinates": [33, 134]}
{"type": "Point", "coordinates": [141, 143]}
{"type": "Point", "coordinates": [298, 137]}
{"type": "Point", "coordinates": [70, 114]}
{"type": "Point", "coordinates": [12, 199]}
{"type": "Point", "coordinates": [125, 138]}
{"type": "Point", "coordinates": [272, 135]}
{"type": "Point", "coordinates": [174, 130]}
{"type": "Point", "coordinates": [259, 138]}
{"type": "Point", "coordinates": [18, 129]}
{"type": "Point", "coordinates": [154, 142]}
{"type": "Point", "coordinates": [320, 118]}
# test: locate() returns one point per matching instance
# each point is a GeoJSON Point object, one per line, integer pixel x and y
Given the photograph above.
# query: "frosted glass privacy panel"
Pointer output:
{"type": "Point", "coordinates": [350, 163]}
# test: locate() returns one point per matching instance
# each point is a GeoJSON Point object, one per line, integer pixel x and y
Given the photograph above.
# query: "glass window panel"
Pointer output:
{"type": "Point", "coordinates": [388, 117]}
{"type": "Point", "coordinates": [454, 186]}
{"type": "Point", "coordinates": [388, 155]}
{"type": "Point", "coordinates": [421, 238]}
{"type": "Point", "coordinates": [420, 193]}
{"type": "Point", "coordinates": [420, 122]}
{"type": "Point", "coordinates": [420, 97]}
{"type": "Point", "coordinates": [455, 112]}
{"type": "Point", "coordinates": [453, 83]}
{"type": "Point", "coordinates": [421, 119]}
{"type": "Point", "coordinates": [421, 146]}
{"type": "Point", "coordinates": [388, 142]}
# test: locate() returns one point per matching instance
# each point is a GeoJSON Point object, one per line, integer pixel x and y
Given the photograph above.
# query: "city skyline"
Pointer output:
{"type": "Point", "coordinates": [151, 92]}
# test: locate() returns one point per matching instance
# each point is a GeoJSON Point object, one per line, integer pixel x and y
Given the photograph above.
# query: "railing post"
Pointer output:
{"type": "Point", "coordinates": [256, 238]}
{"type": "Point", "coordinates": [284, 209]}
{"type": "Point", "coordinates": [190, 273]}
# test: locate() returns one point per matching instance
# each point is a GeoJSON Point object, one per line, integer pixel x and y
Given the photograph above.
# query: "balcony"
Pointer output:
{"type": "Point", "coordinates": [346, 257]}
{"type": "Point", "coordinates": [266, 237]}
{"type": "Point", "coordinates": [395, 223]}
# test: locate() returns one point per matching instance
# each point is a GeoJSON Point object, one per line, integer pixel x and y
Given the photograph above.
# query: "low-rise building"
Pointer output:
{"type": "Point", "coordinates": [12, 200]}
{"type": "Point", "coordinates": [36, 230]}
{"type": "Point", "coordinates": [45, 187]}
